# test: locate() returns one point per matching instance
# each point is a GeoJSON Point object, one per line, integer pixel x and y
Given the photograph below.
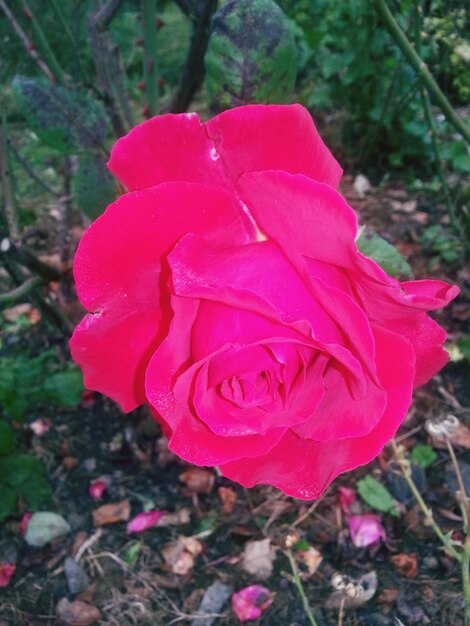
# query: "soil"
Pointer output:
{"type": "Point", "coordinates": [129, 581]}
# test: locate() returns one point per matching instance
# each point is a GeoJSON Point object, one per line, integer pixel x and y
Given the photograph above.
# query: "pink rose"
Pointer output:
{"type": "Point", "coordinates": [226, 291]}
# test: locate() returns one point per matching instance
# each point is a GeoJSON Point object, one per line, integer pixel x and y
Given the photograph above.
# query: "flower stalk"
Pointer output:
{"type": "Point", "coordinates": [461, 557]}
{"type": "Point", "coordinates": [421, 69]}
{"type": "Point", "coordinates": [300, 588]}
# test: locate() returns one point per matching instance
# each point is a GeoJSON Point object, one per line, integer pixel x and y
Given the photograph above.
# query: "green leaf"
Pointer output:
{"type": "Point", "coordinates": [301, 545]}
{"type": "Point", "coordinates": [6, 438]}
{"type": "Point", "coordinates": [464, 345]}
{"type": "Point", "coordinates": [23, 475]}
{"type": "Point", "coordinates": [94, 185]}
{"type": "Point", "coordinates": [376, 495]}
{"type": "Point", "coordinates": [423, 456]}
{"type": "Point", "coordinates": [383, 253]}
{"type": "Point", "coordinates": [8, 500]}
{"type": "Point", "coordinates": [132, 553]}
{"type": "Point", "coordinates": [65, 388]}
{"type": "Point", "coordinates": [64, 119]}
{"type": "Point", "coordinates": [251, 56]}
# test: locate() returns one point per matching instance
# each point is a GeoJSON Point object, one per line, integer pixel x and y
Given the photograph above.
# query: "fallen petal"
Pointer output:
{"type": "Point", "coordinates": [6, 573]}
{"type": "Point", "coordinates": [346, 497]}
{"type": "Point", "coordinates": [250, 602]}
{"type": "Point", "coordinates": [144, 521]}
{"type": "Point", "coordinates": [24, 523]}
{"type": "Point", "coordinates": [97, 488]}
{"type": "Point", "coordinates": [40, 426]}
{"type": "Point", "coordinates": [366, 530]}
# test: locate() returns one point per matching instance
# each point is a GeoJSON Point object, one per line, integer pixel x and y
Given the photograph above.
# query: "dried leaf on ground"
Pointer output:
{"type": "Point", "coordinates": [228, 497]}
{"type": "Point", "coordinates": [351, 592]}
{"type": "Point", "coordinates": [460, 438]}
{"type": "Point", "coordinates": [406, 564]}
{"type": "Point", "coordinates": [77, 578]}
{"type": "Point", "coordinates": [257, 558]}
{"type": "Point", "coordinates": [77, 613]}
{"type": "Point", "coordinates": [213, 601]}
{"type": "Point", "coordinates": [311, 558]}
{"type": "Point", "coordinates": [198, 480]}
{"type": "Point", "coordinates": [112, 513]}
{"type": "Point", "coordinates": [182, 516]}
{"type": "Point", "coordinates": [179, 555]}
{"type": "Point", "coordinates": [44, 527]}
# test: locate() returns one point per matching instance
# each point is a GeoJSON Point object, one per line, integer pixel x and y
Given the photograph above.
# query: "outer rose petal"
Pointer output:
{"type": "Point", "coordinates": [303, 468]}
{"type": "Point", "coordinates": [257, 137]}
{"type": "Point", "coordinates": [118, 276]}
{"type": "Point", "coordinates": [426, 337]}
{"type": "Point", "coordinates": [276, 137]}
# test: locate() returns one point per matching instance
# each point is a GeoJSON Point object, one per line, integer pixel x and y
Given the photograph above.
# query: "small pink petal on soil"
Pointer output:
{"type": "Point", "coordinates": [24, 522]}
{"type": "Point", "coordinates": [144, 521]}
{"type": "Point", "coordinates": [366, 530]}
{"type": "Point", "coordinates": [40, 426]}
{"type": "Point", "coordinates": [97, 488]}
{"type": "Point", "coordinates": [6, 572]}
{"type": "Point", "coordinates": [346, 497]}
{"type": "Point", "coordinates": [250, 602]}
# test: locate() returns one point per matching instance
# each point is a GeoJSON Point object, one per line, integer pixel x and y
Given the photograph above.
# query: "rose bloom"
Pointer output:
{"type": "Point", "coordinates": [225, 290]}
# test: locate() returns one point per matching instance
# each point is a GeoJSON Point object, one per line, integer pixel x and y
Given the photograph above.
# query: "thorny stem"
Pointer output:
{"type": "Point", "coordinates": [421, 68]}
{"type": "Point", "coordinates": [20, 293]}
{"type": "Point", "coordinates": [466, 583]}
{"type": "Point", "coordinates": [422, 504]}
{"type": "Point", "coordinates": [433, 130]}
{"type": "Point", "coordinates": [300, 588]}
{"type": "Point", "coordinates": [11, 217]}
{"type": "Point", "coordinates": [23, 37]}
{"type": "Point", "coordinates": [30, 170]}
{"type": "Point", "coordinates": [40, 41]}
{"type": "Point", "coordinates": [461, 484]}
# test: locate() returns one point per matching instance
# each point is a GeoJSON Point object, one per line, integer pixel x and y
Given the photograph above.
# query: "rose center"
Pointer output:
{"type": "Point", "coordinates": [253, 389]}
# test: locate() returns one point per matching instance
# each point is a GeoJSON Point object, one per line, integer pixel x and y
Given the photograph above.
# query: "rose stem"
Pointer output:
{"type": "Point", "coordinates": [421, 68]}
{"type": "Point", "coordinates": [300, 588]}
{"type": "Point", "coordinates": [405, 470]}
{"type": "Point", "coordinates": [432, 128]}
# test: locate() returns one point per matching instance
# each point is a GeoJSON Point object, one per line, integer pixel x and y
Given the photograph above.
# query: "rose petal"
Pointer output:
{"type": "Point", "coordinates": [366, 530]}
{"type": "Point", "coordinates": [304, 468]}
{"type": "Point", "coordinates": [275, 137]}
{"type": "Point", "coordinates": [144, 521]}
{"type": "Point", "coordinates": [250, 602]}
{"type": "Point", "coordinates": [190, 438]}
{"type": "Point", "coordinates": [97, 488]}
{"type": "Point", "coordinates": [151, 153]}
{"type": "Point", "coordinates": [346, 497]}
{"type": "Point", "coordinates": [118, 276]}
{"type": "Point", "coordinates": [243, 139]}
{"type": "Point", "coordinates": [6, 573]}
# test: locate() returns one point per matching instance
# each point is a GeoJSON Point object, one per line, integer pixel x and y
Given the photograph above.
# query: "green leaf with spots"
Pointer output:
{"type": "Point", "coordinates": [94, 185]}
{"type": "Point", "coordinates": [383, 253]}
{"type": "Point", "coordinates": [67, 120]}
{"type": "Point", "coordinates": [251, 56]}
{"type": "Point", "coordinates": [376, 495]}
